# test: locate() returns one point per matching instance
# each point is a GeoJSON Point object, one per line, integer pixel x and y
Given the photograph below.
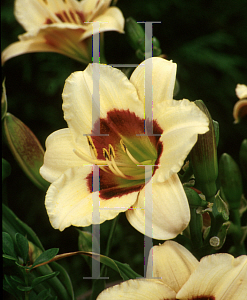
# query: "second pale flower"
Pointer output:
{"type": "Point", "coordinates": [132, 166]}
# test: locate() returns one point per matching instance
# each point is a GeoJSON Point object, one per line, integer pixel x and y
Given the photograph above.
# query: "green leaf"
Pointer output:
{"type": "Point", "coordinates": [8, 245]}
{"type": "Point", "coordinates": [9, 257]}
{"type": "Point", "coordinates": [9, 286]}
{"type": "Point", "coordinates": [45, 295]}
{"type": "Point", "coordinates": [85, 240]}
{"type": "Point", "coordinates": [6, 169]}
{"type": "Point", "coordinates": [22, 246]}
{"type": "Point", "coordinates": [40, 279]}
{"type": "Point", "coordinates": [24, 288]}
{"type": "Point", "coordinates": [12, 224]}
{"type": "Point", "coordinates": [17, 279]}
{"type": "Point", "coordinates": [64, 278]}
{"type": "Point", "coordinates": [124, 270]}
{"type": "Point", "coordinates": [45, 256]}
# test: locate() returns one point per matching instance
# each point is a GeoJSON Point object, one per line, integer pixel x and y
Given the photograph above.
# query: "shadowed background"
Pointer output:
{"type": "Point", "coordinates": [207, 40]}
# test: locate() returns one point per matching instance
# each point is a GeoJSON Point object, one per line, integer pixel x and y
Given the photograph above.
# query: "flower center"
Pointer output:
{"type": "Point", "coordinates": [122, 152]}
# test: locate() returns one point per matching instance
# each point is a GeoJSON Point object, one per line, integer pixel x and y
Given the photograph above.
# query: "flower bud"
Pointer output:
{"type": "Point", "coordinates": [3, 102]}
{"type": "Point", "coordinates": [230, 181]}
{"type": "Point", "coordinates": [243, 158]}
{"type": "Point", "coordinates": [204, 158]}
{"type": "Point", "coordinates": [240, 108]}
{"type": "Point", "coordinates": [136, 36]}
{"type": "Point", "coordinates": [156, 47]}
{"type": "Point", "coordinates": [216, 131]}
{"type": "Point", "coordinates": [194, 199]}
{"type": "Point", "coordinates": [33, 252]}
{"type": "Point", "coordinates": [26, 149]}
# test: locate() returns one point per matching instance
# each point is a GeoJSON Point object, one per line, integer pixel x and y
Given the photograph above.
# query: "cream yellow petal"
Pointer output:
{"type": "Point", "coordinates": [94, 8]}
{"type": "Point", "coordinates": [163, 79]}
{"type": "Point", "coordinates": [59, 155]}
{"type": "Point", "coordinates": [32, 14]}
{"type": "Point", "coordinates": [172, 263]}
{"type": "Point", "coordinates": [59, 38]}
{"type": "Point", "coordinates": [116, 92]}
{"type": "Point", "coordinates": [138, 289]}
{"type": "Point", "coordinates": [220, 276]}
{"type": "Point", "coordinates": [170, 209]}
{"type": "Point", "coordinates": [234, 284]}
{"type": "Point", "coordinates": [23, 47]}
{"type": "Point", "coordinates": [69, 200]}
{"type": "Point", "coordinates": [240, 110]}
{"type": "Point", "coordinates": [181, 122]}
{"type": "Point", "coordinates": [111, 20]}
{"type": "Point", "coordinates": [241, 91]}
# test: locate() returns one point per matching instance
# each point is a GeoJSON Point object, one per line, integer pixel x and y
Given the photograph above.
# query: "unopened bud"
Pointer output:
{"type": "Point", "coordinates": [243, 157]}
{"type": "Point", "coordinates": [156, 47]}
{"type": "Point", "coordinates": [3, 102]}
{"type": "Point", "coordinates": [204, 158]}
{"type": "Point", "coordinates": [136, 36]}
{"type": "Point", "coordinates": [240, 108]}
{"type": "Point", "coordinates": [230, 181]}
{"type": "Point", "coordinates": [194, 199]}
{"type": "Point", "coordinates": [33, 252]}
{"type": "Point", "coordinates": [26, 149]}
{"type": "Point", "coordinates": [216, 131]}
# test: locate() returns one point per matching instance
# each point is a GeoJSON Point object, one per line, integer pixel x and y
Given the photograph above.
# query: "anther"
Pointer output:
{"type": "Point", "coordinates": [106, 154]}
{"type": "Point", "coordinates": [123, 146]}
{"type": "Point", "coordinates": [111, 151]}
{"type": "Point", "coordinates": [92, 147]}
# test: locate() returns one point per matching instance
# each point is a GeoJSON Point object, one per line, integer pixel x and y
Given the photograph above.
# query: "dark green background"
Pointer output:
{"type": "Point", "coordinates": [208, 41]}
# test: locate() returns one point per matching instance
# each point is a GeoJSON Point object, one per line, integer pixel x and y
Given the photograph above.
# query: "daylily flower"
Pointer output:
{"type": "Point", "coordinates": [62, 26]}
{"type": "Point", "coordinates": [240, 108]}
{"type": "Point", "coordinates": [177, 274]}
{"type": "Point", "coordinates": [123, 151]}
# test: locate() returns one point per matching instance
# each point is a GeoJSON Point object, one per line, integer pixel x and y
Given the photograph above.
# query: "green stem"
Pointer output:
{"type": "Point", "coordinates": [99, 284]}
{"type": "Point", "coordinates": [196, 229]}
{"type": "Point", "coordinates": [109, 243]}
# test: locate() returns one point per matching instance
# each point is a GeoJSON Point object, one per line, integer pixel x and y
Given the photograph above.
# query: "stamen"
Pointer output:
{"type": "Point", "coordinates": [125, 149]}
{"type": "Point", "coordinates": [117, 169]}
{"type": "Point", "coordinates": [91, 145]}
{"type": "Point", "coordinates": [89, 159]}
{"type": "Point", "coordinates": [111, 151]}
{"type": "Point", "coordinates": [114, 171]}
{"type": "Point", "coordinates": [106, 154]}
{"type": "Point", "coordinates": [131, 157]}
{"type": "Point", "coordinates": [123, 146]}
